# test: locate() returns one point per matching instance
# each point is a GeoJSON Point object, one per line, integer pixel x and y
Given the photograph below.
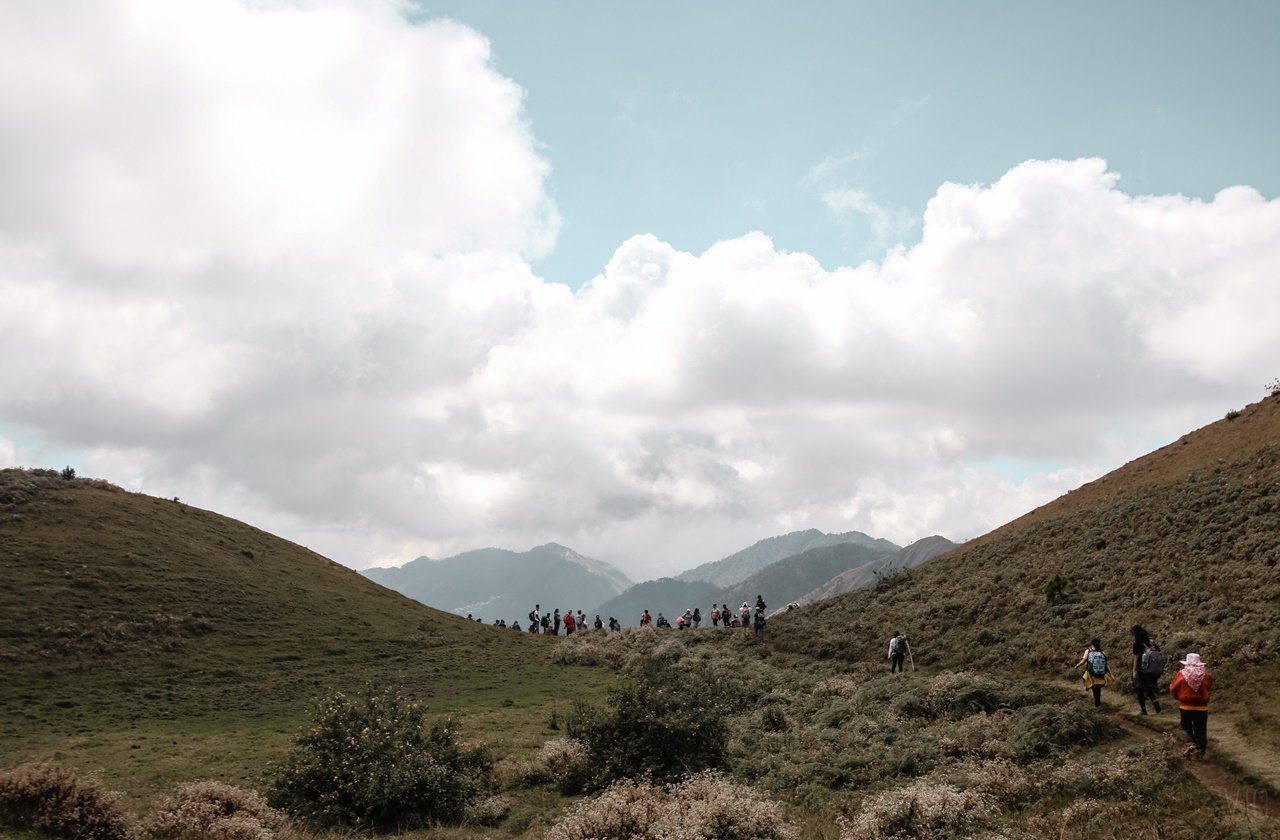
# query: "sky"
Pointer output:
{"type": "Point", "coordinates": [653, 281]}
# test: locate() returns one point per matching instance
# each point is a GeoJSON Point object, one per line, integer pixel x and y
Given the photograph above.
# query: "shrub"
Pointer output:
{"type": "Point", "coordinates": [54, 801]}
{"type": "Point", "coordinates": [374, 763]}
{"type": "Point", "coordinates": [704, 807]}
{"type": "Point", "coordinates": [923, 809]}
{"type": "Point", "coordinates": [656, 729]}
{"type": "Point", "coordinates": [212, 810]}
{"type": "Point", "coordinates": [1043, 729]}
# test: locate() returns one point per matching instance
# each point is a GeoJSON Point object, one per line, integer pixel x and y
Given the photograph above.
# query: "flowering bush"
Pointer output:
{"type": "Point", "coordinates": [54, 801]}
{"type": "Point", "coordinates": [923, 809]}
{"type": "Point", "coordinates": [374, 762]}
{"type": "Point", "coordinates": [214, 811]}
{"type": "Point", "coordinates": [703, 807]}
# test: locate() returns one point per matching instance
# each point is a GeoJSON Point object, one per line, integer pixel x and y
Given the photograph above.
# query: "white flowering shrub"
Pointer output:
{"type": "Point", "coordinates": [377, 763]}
{"type": "Point", "coordinates": [703, 807]}
{"type": "Point", "coordinates": [212, 810]}
{"type": "Point", "coordinates": [924, 809]}
{"type": "Point", "coordinates": [56, 803]}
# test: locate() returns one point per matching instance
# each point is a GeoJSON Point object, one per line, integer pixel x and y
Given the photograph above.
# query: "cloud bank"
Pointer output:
{"type": "Point", "coordinates": [276, 260]}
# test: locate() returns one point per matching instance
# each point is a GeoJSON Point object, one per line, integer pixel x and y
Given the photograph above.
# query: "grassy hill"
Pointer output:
{"type": "Point", "coordinates": [143, 639]}
{"type": "Point", "coordinates": [1184, 541]}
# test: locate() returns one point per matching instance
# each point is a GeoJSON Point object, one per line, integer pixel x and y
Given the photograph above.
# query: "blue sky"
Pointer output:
{"type": "Point", "coordinates": [701, 121]}
{"type": "Point", "coordinates": [653, 281]}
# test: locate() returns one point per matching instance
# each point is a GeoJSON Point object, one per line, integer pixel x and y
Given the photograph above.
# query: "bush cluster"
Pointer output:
{"type": "Point", "coordinates": [56, 802]}
{"type": "Point", "coordinates": [923, 809]}
{"type": "Point", "coordinates": [657, 727]}
{"type": "Point", "coordinates": [703, 807]}
{"type": "Point", "coordinates": [212, 810]}
{"type": "Point", "coordinates": [373, 762]}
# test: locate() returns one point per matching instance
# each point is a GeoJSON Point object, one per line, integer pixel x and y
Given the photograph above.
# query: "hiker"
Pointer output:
{"type": "Point", "coordinates": [680, 622]}
{"type": "Point", "coordinates": [546, 623]}
{"type": "Point", "coordinates": [662, 621]}
{"type": "Point", "coordinates": [1096, 674]}
{"type": "Point", "coordinates": [1190, 687]}
{"type": "Point", "coordinates": [646, 619]}
{"type": "Point", "coordinates": [515, 625]}
{"type": "Point", "coordinates": [599, 625]}
{"type": "Point", "coordinates": [726, 616]}
{"type": "Point", "coordinates": [897, 653]}
{"type": "Point", "coordinates": [744, 615]}
{"type": "Point", "coordinates": [760, 604]}
{"type": "Point", "coordinates": [613, 624]}
{"type": "Point", "coordinates": [715, 616]}
{"type": "Point", "coordinates": [569, 622]}
{"type": "Point", "coordinates": [697, 617]}
{"type": "Point", "coordinates": [533, 618]}
{"type": "Point", "coordinates": [555, 621]}
{"type": "Point", "coordinates": [1148, 665]}
{"type": "Point", "coordinates": [759, 622]}
{"type": "Point", "coordinates": [582, 620]}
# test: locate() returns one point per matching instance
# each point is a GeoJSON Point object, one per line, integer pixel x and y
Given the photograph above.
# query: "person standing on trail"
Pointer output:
{"type": "Point", "coordinates": [1096, 674]}
{"type": "Point", "coordinates": [599, 625]}
{"type": "Point", "coordinates": [555, 621]}
{"type": "Point", "coordinates": [1190, 687]}
{"type": "Point", "coordinates": [744, 615]}
{"type": "Point", "coordinates": [569, 622]}
{"type": "Point", "coordinates": [1148, 665]}
{"type": "Point", "coordinates": [715, 616]}
{"type": "Point", "coordinates": [897, 652]}
{"type": "Point", "coordinates": [697, 617]}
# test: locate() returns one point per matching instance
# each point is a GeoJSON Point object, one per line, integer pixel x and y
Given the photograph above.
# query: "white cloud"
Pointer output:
{"type": "Point", "coordinates": [275, 260]}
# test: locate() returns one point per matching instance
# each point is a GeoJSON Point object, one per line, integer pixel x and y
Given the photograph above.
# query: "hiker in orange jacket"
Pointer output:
{"type": "Point", "coordinates": [1190, 687]}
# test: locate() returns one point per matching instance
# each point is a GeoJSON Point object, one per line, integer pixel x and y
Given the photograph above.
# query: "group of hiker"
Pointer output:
{"type": "Point", "coordinates": [1189, 686]}
{"type": "Point", "coordinates": [721, 616]}
{"type": "Point", "coordinates": [552, 621]}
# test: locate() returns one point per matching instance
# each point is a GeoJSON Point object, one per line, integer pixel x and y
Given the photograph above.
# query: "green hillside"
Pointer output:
{"type": "Point", "coordinates": [144, 637]}
{"type": "Point", "coordinates": [1184, 541]}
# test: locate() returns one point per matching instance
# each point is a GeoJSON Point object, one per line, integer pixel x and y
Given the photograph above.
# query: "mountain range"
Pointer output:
{"type": "Point", "coordinates": [494, 583]}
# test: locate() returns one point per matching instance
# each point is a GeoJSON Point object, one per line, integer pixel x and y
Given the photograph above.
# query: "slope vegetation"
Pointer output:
{"type": "Point", "coordinates": [1184, 541]}
{"type": "Point", "coordinates": [123, 614]}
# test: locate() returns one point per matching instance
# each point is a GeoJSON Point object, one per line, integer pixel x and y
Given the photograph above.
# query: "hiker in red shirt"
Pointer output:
{"type": "Point", "coordinates": [1190, 687]}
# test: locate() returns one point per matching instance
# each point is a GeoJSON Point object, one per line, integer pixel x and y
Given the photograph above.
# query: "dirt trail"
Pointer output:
{"type": "Point", "coordinates": [1255, 801]}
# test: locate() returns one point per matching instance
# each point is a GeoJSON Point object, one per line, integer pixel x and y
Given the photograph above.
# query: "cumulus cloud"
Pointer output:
{"type": "Point", "coordinates": [275, 260]}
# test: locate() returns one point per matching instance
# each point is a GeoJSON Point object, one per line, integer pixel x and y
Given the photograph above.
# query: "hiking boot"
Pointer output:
{"type": "Point", "coordinates": [1144, 711]}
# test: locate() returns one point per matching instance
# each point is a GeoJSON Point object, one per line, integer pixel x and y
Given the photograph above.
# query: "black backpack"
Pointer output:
{"type": "Point", "coordinates": [1097, 663]}
{"type": "Point", "coordinates": [1152, 663]}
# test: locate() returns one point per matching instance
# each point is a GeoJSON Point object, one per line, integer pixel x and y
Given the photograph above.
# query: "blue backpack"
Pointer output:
{"type": "Point", "coordinates": [1097, 663]}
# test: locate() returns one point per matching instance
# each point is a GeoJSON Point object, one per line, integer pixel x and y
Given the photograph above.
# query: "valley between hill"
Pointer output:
{"type": "Point", "coordinates": [147, 643]}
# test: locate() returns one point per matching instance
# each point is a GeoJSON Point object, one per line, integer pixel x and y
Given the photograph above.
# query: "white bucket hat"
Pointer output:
{"type": "Point", "coordinates": [1192, 659]}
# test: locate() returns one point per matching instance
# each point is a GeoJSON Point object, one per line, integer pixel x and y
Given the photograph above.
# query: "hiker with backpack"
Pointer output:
{"type": "Point", "coordinates": [897, 653]}
{"type": "Point", "coordinates": [1148, 665]}
{"type": "Point", "coordinates": [1190, 687]}
{"type": "Point", "coordinates": [1096, 673]}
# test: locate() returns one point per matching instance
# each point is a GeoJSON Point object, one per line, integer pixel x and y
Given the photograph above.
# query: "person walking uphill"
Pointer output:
{"type": "Point", "coordinates": [897, 652]}
{"type": "Point", "coordinates": [1190, 687]}
{"type": "Point", "coordinates": [1148, 665]}
{"type": "Point", "coordinates": [1096, 673]}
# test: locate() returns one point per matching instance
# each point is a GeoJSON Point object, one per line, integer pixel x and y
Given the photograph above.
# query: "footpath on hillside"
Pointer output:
{"type": "Point", "coordinates": [1255, 800]}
